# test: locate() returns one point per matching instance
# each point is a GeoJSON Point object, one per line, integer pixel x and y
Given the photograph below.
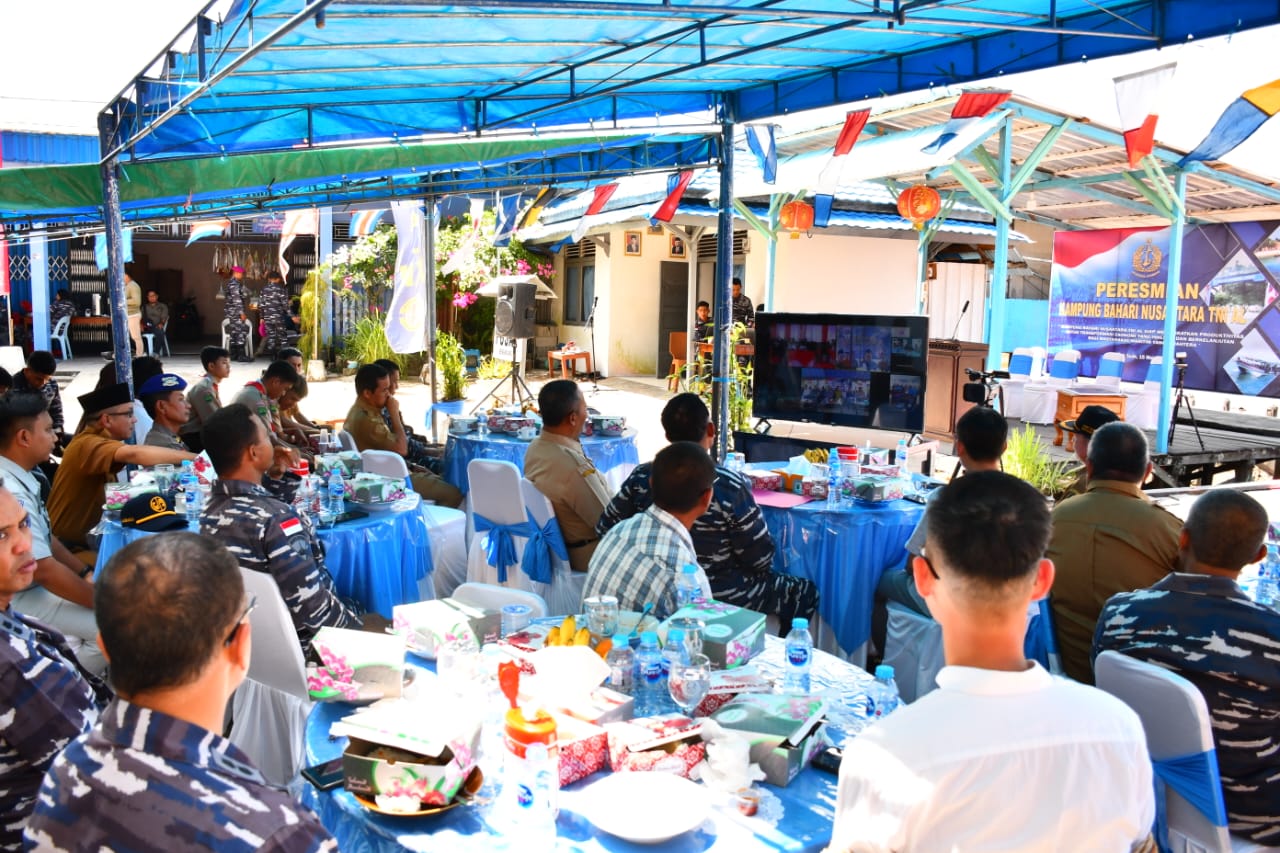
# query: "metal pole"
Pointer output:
{"type": "Point", "coordinates": [1000, 264]}
{"type": "Point", "coordinates": [721, 352]}
{"type": "Point", "coordinates": [429, 222]}
{"type": "Point", "coordinates": [324, 248]}
{"type": "Point", "coordinates": [1170, 347]}
{"type": "Point", "coordinates": [109, 169]}
{"type": "Point", "coordinates": [39, 292]}
{"type": "Point", "coordinates": [771, 251]}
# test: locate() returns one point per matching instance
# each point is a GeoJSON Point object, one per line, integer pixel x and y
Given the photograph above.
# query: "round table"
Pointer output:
{"type": "Point", "coordinates": [377, 561]}
{"type": "Point", "coordinates": [614, 456]}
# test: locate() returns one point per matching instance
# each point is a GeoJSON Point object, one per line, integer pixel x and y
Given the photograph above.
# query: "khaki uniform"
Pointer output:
{"type": "Point", "coordinates": [370, 432]}
{"type": "Point", "coordinates": [577, 491]}
{"type": "Point", "coordinates": [1109, 540]}
{"type": "Point", "coordinates": [254, 395]}
{"type": "Point", "coordinates": [204, 401]}
{"type": "Point", "coordinates": [75, 502]}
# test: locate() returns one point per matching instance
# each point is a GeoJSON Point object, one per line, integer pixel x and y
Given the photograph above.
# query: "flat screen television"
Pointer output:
{"type": "Point", "coordinates": [843, 369]}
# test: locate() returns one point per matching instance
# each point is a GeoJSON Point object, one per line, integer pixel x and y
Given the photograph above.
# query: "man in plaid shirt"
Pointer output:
{"type": "Point", "coordinates": [638, 559]}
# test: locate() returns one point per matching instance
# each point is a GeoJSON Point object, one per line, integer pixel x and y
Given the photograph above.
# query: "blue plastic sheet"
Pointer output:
{"type": "Point", "coordinates": [1194, 777]}
{"type": "Point", "coordinates": [606, 453]}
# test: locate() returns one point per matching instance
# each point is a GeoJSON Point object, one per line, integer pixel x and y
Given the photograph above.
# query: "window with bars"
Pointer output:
{"type": "Point", "coordinates": [579, 282]}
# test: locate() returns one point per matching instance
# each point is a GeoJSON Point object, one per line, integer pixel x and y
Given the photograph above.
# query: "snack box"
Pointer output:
{"type": "Point", "coordinates": [427, 624]}
{"type": "Point", "coordinates": [356, 665]}
{"type": "Point", "coordinates": [602, 705]}
{"type": "Point", "coordinates": [793, 483]}
{"type": "Point", "coordinates": [668, 743]}
{"type": "Point", "coordinates": [727, 684]}
{"type": "Point", "coordinates": [409, 750]}
{"type": "Point", "coordinates": [878, 489]}
{"type": "Point", "coordinates": [733, 635]}
{"type": "Point", "coordinates": [786, 730]}
{"type": "Point", "coordinates": [347, 460]}
{"type": "Point", "coordinates": [583, 748]}
{"type": "Point", "coordinates": [879, 470]}
{"type": "Point", "coordinates": [375, 488]}
{"type": "Point", "coordinates": [764, 481]}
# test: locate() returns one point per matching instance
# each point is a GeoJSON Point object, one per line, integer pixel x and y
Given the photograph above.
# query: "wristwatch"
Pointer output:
{"type": "Point", "coordinates": [88, 570]}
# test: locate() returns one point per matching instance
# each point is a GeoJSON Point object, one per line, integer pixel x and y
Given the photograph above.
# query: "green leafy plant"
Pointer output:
{"type": "Point", "coordinates": [367, 341]}
{"type": "Point", "coordinates": [314, 292]}
{"type": "Point", "coordinates": [1027, 458]}
{"type": "Point", "coordinates": [492, 368]}
{"type": "Point", "coordinates": [740, 378]}
{"type": "Point", "coordinates": [452, 363]}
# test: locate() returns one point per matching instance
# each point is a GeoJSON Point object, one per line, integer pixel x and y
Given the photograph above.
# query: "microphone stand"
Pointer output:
{"type": "Point", "coordinates": [956, 327]}
{"type": "Point", "coordinates": [595, 366]}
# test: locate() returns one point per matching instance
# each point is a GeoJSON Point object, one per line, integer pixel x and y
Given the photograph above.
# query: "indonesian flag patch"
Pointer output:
{"type": "Point", "coordinates": [291, 527]}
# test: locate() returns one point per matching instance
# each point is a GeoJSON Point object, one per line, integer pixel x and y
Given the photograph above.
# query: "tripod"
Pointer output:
{"type": "Point", "coordinates": [520, 392]}
{"type": "Point", "coordinates": [1180, 400]}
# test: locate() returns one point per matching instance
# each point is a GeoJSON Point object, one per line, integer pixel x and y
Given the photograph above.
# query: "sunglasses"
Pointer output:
{"type": "Point", "coordinates": [231, 638]}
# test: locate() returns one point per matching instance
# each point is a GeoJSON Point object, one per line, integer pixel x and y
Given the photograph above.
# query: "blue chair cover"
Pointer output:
{"type": "Point", "coordinates": [542, 544]}
{"type": "Point", "coordinates": [1063, 369]}
{"type": "Point", "coordinates": [1020, 365]}
{"type": "Point", "coordinates": [499, 546]}
{"type": "Point", "coordinates": [1195, 778]}
{"type": "Point", "coordinates": [1110, 367]}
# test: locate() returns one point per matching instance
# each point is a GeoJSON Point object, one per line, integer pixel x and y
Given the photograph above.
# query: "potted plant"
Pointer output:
{"type": "Point", "coordinates": [1028, 459]}
{"type": "Point", "coordinates": [452, 362]}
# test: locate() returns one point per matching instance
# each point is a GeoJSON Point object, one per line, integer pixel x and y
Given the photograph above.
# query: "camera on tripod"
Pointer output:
{"type": "Point", "coordinates": [982, 385]}
{"type": "Point", "coordinates": [1180, 360]}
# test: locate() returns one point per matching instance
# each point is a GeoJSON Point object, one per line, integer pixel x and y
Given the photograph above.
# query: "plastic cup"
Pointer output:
{"type": "Point", "coordinates": [515, 617]}
{"type": "Point", "coordinates": [602, 615]}
{"type": "Point", "coordinates": [694, 630]}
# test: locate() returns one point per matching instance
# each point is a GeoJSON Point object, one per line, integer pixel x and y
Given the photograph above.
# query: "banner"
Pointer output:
{"type": "Point", "coordinates": [407, 314]}
{"type": "Point", "coordinates": [1107, 294]}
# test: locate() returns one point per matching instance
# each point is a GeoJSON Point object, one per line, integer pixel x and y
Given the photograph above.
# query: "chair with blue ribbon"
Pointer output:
{"type": "Point", "coordinates": [1021, 365]}
{"type": "Point", "coordinates": [546, 555]}
{"type": "Point", "coordinates": [1041, 643]}
{"type": "Point", "coordinates": [1190, 813]}
{"type": "Point", "coordinates": [1110, 370]}
{"type": "Point", "coordinates": [501, 523]}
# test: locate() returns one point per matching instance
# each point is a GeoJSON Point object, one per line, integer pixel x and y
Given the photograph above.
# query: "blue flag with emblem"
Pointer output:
{"type": "Point", "coordinates": [407, 314]}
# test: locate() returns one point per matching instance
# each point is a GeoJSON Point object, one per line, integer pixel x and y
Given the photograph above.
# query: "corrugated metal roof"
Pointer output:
{"type": "Point", "coordinates": [21, 148]}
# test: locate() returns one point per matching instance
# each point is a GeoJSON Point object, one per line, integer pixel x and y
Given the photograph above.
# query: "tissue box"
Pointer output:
{"type": "Point", "coordinates": [401, 750]}
{"type": "Point", "coordinates": [733, 635]}
{"type": "Point", "coordinates": [878, 489]}
{"type": "Point", "coordinates": [669, 743]}
{"type": "Point", "coordinates": [786, 730]}
{"type": "Point", "coordinates": [600, 706]}
{"type": "Point", "coordinates": [427, 624]}
{"type": "Point", "coordinates": [727, 684]}
{"type": "Point", "coordinates": [348, 461]}
{"type": "Point", "coordinates": [373, 488]}
{"type": "Point", "coordinates": [879, 470]}
{"type": "Point", "coordinates": [764, 481]}
{"type": "Point", "coordinates": [583, 748]}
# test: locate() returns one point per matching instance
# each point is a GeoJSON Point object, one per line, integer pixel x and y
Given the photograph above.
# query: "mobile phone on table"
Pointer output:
{"type": "Point", "coordinates": [829, 760]}
{"type": "Point", "coordinates": [325, 776]}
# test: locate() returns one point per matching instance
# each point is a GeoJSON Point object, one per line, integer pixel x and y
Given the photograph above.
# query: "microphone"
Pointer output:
{"type": "Point", "coordinates": [956, 327]}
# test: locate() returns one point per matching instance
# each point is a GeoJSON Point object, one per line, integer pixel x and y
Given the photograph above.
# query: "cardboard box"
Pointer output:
{"type": "Point", "coordinates": [425, 625]}
{"type": "Point", "coordinates": [348, 460]}
{"type": "Point", "coordinates": [582, 746]}
{"type": "Point", "coordinates": [600, 706]}
{"type": "Point", "coordinates": [443, 740]}
{"type": "Point", "coordinates": [356, 665]}
{"type": "Point", "coordinates": [668, 743]}
{"type": "Point", "coordinates": [726, 684]}
{"type": "Point", "coordinates": [878, 489]}
{"type": "Point", "coordinates": [764, 481]}
{"type": "Point", "coordinates": [786, 730]}
{"type": "Point", "coordinates": [733, 635]}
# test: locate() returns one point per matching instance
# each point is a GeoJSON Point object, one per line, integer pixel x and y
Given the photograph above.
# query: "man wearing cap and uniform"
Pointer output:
{"type": "Point", "coordinates": [95, 456]}
{"type": "Point", "coordinates": [233, 311]}
{"type": "Point", "coordinates": [164, 400]}
{"type": "Point", "coordinates": [202, 396]}
{"type": "Point", "coordinates": [1090, 419]}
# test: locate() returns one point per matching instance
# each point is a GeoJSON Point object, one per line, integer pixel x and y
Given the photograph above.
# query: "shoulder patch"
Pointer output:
{"type": "Point", "coordinates": [291, 527]}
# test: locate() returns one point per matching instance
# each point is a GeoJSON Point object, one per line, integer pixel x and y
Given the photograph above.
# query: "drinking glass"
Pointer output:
{"type": "Point", "coordinates": [689, 682]}
{"type": "Point", "coordinates": [164, 478]}
{"type": "Point", "coordinates": [602, 615]}
{"type": "Point", "coordinates": [457, 661]}
{"type": "Point", "coordinates": [515, 617]}
{"type": "Point", "coordinates": [693, 631]}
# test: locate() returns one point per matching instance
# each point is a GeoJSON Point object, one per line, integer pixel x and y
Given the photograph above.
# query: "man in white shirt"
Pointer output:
{"type": "Point", "coordinates": [1003, 756]}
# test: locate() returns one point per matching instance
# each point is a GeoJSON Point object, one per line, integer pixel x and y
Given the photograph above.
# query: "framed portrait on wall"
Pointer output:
{"type": "Point", "coordinates": [631, 243]}
{"type": "Point", "coordinates": [677, 247]}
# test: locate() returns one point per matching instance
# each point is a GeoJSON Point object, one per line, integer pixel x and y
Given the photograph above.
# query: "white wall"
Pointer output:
{"type": "Point", "coordinates": [955, 285]}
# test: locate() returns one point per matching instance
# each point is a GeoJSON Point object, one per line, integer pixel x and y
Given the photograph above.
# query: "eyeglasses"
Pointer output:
{"type": "Point", "coordinates": [126, 414]}
{"type": "Point", "coordinates": [231, 638]}
{"type": "Point", "coordinates": [932, 571]}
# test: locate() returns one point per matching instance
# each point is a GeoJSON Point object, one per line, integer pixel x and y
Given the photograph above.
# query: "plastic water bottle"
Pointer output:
{"type": "Point", "coordinates": [319, 500]}
{"type": "Point", "coordinates": [799, 658]}
{"type": "Point", "coordinates": [688, 587]}
{"type": "Point", "coordinates": [621, 661]}
{"type": "Point", "coordinates": [834, 479]}
{"type": "Point", "coordinates": [191, 494]}
{"type": "Point", "coordinates": [884, 693]}
{"type": "Point", "coordinates": [337, 492]}
{"type": "Point", "coordinates": [303, 500]}
{"type": "Point", "coordinates": [900, 459]}
{"type": "Point", "coordinates": [1268, 578]}
{"type": "Point", "coordinates": [650, 685]}
{"type": "Point", "coordinates": [852, 466]}
{"type": "Point", "coordinates": [535, 800]}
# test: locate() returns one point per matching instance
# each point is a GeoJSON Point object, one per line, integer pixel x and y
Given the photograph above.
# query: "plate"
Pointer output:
{"type": "Point", "coordinates": [377, 506]}
{"type": "Point", "coordinates": [673, 805]}
{"type": "Point", "coordinates": [367, 694]}
{"type": "Point", "coordinates": [469, 787]}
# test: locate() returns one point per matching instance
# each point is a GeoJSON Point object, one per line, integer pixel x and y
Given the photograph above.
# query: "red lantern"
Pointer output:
{"type": "Point", "coordinates": [919, 204]}
{"type": "Point", "coordinates": [796, 216]}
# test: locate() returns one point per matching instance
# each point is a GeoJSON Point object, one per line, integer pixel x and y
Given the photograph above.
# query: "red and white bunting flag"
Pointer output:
{"type": "Point", "coordinates": [676, 185]}
{"type": "Point", "coordinates": [1138, 99]}
{"type": "Point", "coordinates": [599, 199]}
{"type": "Point", "coordinates": [971, 107]}
{"type": "Point", "coordinates": [829, 178]}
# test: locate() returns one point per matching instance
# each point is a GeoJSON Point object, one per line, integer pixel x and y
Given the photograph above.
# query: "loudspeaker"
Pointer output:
{"type": "Point", "coordinates": [513, 315]}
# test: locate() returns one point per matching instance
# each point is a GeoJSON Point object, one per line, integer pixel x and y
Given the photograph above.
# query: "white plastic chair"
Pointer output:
{"type": "Point", "coordinates": [270, 708]}
{"type": "Point", "coordinates": [1040, 399]}
{"type": "Point", "coordinates": [1021, 364]}
{"type": "Point", "coordinates": [1110, 370]}
{"type": "Point", "coordinates": [495, 493]}
{"type": "Point", "coordinates": [493, 597]}
{"type": "Point", "coordinates": [60, 337]}
{"type": "Point", "coordinates": [347, 441]}
{"type": "Point", "coordinates": [1142, 409]}
{"type": "Point", "coordinates": [565, 595]}
{"type": "Point", "coordinates": [383, 462]}
{"type": "Point", "coordinates": [226, 335]}
{"type": "Point", "coordinates": [1176, 721]}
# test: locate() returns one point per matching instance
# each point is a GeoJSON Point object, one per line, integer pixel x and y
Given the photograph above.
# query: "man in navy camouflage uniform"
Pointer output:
{"type": "Point", "coordinates": [46, 699]}
{"type": "Point", "coordinates": [154, 774]}
{"type": "Point", "coordinates": [233, 311]}
{"type": "Point", "coordinates": [37, 378]}
{"type": "Point", "coordinates": [1198, 623]}
{"type": "Point", "coordinates": [273, 304]}
{"type": "Point", "coordinates": [732, 541]}
{"type": "Point", "coordinates": [261, 530]}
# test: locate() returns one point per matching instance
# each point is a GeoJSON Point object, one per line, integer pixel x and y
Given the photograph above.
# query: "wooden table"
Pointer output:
{"type": "Point", "coordinates": [566, 359]}
{"type": "Point", "coordinates": [744, 350]}
{"type": "Point", "coordinates": [1072, 401]}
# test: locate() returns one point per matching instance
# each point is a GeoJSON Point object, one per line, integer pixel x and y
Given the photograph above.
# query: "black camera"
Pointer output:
{"type": "Point", "coordinates": [978, 389]}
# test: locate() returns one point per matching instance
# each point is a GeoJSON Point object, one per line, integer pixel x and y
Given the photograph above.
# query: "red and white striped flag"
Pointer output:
{"type": "Point", "coordinates": [676, 185]}
{"type": "Point", "coordinates": [829, 178]}
{"type": "Point", "coordinates": [1138, 99]}
{"type": "Point", "coordinates": [971, 107]}
{"type": "Point", "coordinates": [600, 197]}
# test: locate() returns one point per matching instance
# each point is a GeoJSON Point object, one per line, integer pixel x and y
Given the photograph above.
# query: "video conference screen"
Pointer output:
{"type": "Point", "coordinates": [842, 369]}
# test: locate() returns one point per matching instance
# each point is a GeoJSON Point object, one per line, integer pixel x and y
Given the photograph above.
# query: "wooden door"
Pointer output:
{"type": "Point", "coordinates": [673, 308]}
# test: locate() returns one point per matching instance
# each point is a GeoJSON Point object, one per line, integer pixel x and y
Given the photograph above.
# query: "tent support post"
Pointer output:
{"type": "Point", "coordinates": [722, 304]}
{"type": "Point", "coordinates": [1000, 263]}
{"type": "Point", "coordinates": [1172, 283]}
{"type": "Point", "coordinates": [109, 169]}
{"type": "Point", "coordinates": [429, 222]}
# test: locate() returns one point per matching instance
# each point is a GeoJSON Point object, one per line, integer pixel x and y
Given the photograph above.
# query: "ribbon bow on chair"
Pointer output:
{"type": "Point", "coordinates": [499, 546]}
{"type": "Point", "coordinates": [1195, 777]}
{"type": "Point", "coordinates": [543, 543]}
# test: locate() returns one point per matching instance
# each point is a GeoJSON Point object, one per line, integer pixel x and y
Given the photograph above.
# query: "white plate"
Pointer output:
{"type": "Point", "coordinates": [673, 805]}
{"type": "Point", "coordinates": [379, 506]}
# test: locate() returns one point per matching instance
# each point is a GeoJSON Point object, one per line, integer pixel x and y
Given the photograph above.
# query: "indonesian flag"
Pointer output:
{"type": "Point", "coordinates": [599, 199]}
{"type": "Point", "coordinates": [1138, 99]}
{"type": "Point", "coordinates": [364, 221]}
{"type": "Point", "coordinates": [676, 185]}
{"type": "Point", "coordinates": [829, 179]}
{"type": "Point", "coordinates": [296, 222]}
{"type": "Point", "coordinates": [212, 228]}
{"type": "Point", "coordinates": [971, 107]}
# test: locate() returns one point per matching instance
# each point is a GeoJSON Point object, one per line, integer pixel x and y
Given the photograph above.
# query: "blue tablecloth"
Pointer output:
{"type": "Point", "coordinates": [607, 453]}
{"type": "Point", "coordinates": [376, 561]}
{"type": "Point", "coordinates": [844, 551]}
{"type": "Point", "coordinates": [808, 802]}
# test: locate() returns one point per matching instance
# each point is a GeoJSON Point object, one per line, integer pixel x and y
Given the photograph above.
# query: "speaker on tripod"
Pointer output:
{"type": "Point", "coordinates": [514, 313]}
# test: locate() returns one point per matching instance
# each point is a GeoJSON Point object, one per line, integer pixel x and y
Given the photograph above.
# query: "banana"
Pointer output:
{"type": "Point", "coordinates": [553, 637]}
{"type": "Point", "coordinates": [582, 638]}
{"type": "Point", "coordinates": [568, 629]}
